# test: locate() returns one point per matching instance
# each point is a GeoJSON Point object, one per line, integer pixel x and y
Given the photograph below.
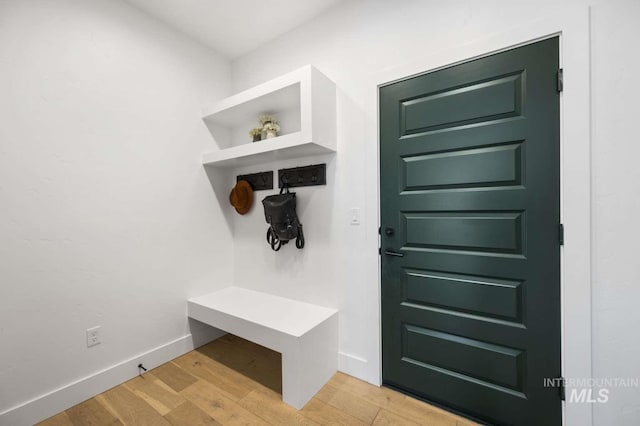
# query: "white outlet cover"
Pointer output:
{"type": "Point", "coordinates": [93, 336]}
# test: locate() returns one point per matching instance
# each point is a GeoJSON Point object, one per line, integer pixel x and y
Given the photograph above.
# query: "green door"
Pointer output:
{"type": "Point", "coordinates": [470, 207]}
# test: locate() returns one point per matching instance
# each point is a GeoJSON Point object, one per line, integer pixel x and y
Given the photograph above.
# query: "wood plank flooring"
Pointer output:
{"type": "Point", "coordinates": [234, 382]}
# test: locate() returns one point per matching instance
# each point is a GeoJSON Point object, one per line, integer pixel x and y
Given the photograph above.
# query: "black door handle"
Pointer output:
{"type": "Point", "coordinates": [393, 253]}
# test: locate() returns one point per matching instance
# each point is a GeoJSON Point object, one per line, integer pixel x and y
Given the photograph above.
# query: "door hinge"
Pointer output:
{"type": "Point", "coordinates": [560, 80]}
{"type": "Point", "coordinates": [561, 389]}
{"type": "Point", "coordinates": [380, 251]}
{"type": "Point", "coordinates": [561, 234]}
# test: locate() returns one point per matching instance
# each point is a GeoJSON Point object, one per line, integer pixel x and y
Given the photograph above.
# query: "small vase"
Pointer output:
{"type": "Point", "coordinates": [257, 138]}
{"type": "Point", "coordinates": [271, 134]}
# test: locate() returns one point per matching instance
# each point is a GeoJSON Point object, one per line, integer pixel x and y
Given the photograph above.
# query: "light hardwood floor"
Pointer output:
{"type": "Point", "coordinates": [235, 382]}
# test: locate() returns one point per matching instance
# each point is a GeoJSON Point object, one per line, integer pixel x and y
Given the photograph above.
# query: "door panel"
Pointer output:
{"type": "Point", "coordinates": [480, 102]}
{"type": "Point", "coordinates": [469, 187]}
{"type": "Point", "coordinates": [488, 297]}
{"type": "Point", "coordinates": [484, 361]}
{"type": "Point", "coordinates": [498, 165]}
{"type": "Point", "coordinates": [482, 231]}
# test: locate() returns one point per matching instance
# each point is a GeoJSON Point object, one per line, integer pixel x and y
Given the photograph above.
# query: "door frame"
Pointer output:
{"type": "Point", "coordinates": [572, 27]}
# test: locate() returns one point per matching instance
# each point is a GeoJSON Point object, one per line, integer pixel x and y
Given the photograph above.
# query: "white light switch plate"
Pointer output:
{"type": "Point", "coordinates": [354, 216]}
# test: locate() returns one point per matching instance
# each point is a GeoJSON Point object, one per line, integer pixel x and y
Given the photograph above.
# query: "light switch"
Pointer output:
{"type": "Point", "coordinates": [354, 215]}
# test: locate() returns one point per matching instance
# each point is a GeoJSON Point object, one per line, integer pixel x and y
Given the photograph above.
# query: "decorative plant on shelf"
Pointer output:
{"type": "Point", "coordinates": [256, 134]}
{"type": "Point", "coordinates": [272, 129]}
{"type": "Point", "coordinates": [266, 119]}
{"type": "Point", "coordinates": [269, 126]}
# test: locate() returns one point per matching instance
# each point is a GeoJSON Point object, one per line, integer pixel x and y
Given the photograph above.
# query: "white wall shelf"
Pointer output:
{"type": "Point", "coordinates": [303, 101]}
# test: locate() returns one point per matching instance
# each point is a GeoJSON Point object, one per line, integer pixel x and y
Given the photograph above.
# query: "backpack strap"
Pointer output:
{"type": "Point", "coordinates": [273, 240]}
{"type": "Point", "coordinates": [300, 237]}
{"type": "Point", "coordinates": [272, 237]}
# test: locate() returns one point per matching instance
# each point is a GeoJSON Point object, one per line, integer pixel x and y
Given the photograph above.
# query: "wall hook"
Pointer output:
{"type": "Point", "coordinates": [259, 181]}
{"type": "Point", "coordinates": [303, 176]}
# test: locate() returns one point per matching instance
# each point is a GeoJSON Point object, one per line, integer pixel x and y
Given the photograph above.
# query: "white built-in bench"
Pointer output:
{"type": "Point", "coordinates": [305, 334]}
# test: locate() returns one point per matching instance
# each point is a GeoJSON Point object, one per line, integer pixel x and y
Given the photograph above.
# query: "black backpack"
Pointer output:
{"type": "Point", "coordinates": [280, 214]}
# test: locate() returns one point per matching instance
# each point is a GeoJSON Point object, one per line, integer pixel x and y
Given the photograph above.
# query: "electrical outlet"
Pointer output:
{"type": "Point", "coordinates": [93, 336]}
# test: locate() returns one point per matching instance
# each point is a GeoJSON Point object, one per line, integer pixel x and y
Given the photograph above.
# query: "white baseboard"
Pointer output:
{"type": "Point", "coordinates": [58, 400]}
{"type": "Point", "coordinates": [356, 367]}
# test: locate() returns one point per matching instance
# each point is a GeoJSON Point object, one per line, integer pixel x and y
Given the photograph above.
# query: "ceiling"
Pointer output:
{"type": "Point", "coordinates": [234, 27]}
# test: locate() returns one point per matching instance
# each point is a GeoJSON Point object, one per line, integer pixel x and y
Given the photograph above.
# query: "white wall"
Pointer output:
{"type": "Point", "coordinates": [616, 203]}
{"type": "Point", "coordinates": [106, 217]}
{"type": "Point", "coordinates": [106, 214]}
{"type": "Point", "coordinates": [364, 38]}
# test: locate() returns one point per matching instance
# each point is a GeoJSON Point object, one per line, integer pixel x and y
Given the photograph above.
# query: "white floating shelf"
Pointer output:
{"type": "Point", "coordinates": [280, 148]}
{"type": "Point", "coordinates": [304, 101]}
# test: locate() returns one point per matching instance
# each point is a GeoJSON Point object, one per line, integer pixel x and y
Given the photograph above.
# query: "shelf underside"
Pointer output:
{"type": "Point", "coordinates": [280, 148]}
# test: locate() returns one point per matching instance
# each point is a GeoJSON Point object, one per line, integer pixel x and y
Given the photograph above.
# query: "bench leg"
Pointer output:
{"type": "Point", "coordinates": [309, 363]}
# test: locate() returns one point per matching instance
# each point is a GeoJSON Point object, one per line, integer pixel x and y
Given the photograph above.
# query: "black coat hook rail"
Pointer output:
{"type": "Point", "coordinates": [303, 176]}
{"type": "Point", "coordinates": [259, 181]}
